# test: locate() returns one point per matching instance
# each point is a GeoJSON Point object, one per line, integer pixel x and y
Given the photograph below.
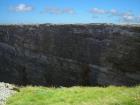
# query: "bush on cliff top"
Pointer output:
{"type": "Point", "coordinates": [77, 96]}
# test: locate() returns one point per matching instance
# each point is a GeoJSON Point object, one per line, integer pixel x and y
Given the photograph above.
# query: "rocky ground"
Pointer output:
{"type": "Point", "coordinates": [6, 90]}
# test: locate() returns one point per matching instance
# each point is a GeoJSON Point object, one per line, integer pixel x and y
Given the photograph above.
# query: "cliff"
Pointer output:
{"type": "Point", "coordinates": [67, 55]}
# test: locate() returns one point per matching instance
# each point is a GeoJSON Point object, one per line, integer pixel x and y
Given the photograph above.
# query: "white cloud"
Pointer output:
{"type": "Point", "coordinates": [113, 12]}
{"type": "Point", "coordinates": [53, 10]}
{"type": "Point", "coordinates": [103, 11]}
{"type": "Point", "coordinates": [138, 19]}
{"type": "Point", "coordinates": [57, 11]}
{"type": "Point", "coordinates": [129, 17]}
{"type": "Point", "coordinates": [97, 11]}
{"type": "Point", "coordinates": [22, 8]}
{"type": "Point", "coordinates": [68, 10]}
{"type": "Point", "coordinates": [126, 17]}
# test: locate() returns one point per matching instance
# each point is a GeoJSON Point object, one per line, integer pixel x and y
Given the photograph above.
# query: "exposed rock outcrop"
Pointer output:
{"type": "Point", "coordinates": [69, 55]}
{"type": "Point", "coordinates": [6, 90]}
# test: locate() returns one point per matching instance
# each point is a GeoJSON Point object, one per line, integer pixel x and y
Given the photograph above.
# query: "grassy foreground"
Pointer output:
{"type": "Point", "coordinates": [76, 96]}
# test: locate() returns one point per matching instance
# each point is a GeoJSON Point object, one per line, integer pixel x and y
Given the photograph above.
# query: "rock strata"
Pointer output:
{"type": "Point", "coordinates": [67, 55]}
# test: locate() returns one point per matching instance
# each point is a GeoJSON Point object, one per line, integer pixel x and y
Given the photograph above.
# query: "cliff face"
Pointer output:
{"type": "Point", "coordinates": [66, 55]}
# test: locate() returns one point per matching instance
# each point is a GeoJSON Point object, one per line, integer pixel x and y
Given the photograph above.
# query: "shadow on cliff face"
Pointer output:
{"type": "Point", "coordinates": [24, 79]}
{"type": "Point", "coordinates": [85, 75]}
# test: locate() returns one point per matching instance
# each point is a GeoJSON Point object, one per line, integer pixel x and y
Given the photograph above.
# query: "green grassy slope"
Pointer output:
{"type": "Point", "coordinates": [76, 96]}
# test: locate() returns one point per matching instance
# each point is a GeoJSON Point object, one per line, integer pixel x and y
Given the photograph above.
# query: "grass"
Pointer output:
{"type": "Point", "coordinates": [76, 96]}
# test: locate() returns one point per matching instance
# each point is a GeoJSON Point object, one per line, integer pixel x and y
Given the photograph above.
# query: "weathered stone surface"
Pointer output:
{"type": "Point", "coordinates": [6, 90]}
{"type": "Point", "coordinates": [69, 55]}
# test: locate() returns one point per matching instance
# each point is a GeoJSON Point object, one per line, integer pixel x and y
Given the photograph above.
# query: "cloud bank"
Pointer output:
{"type": "Point", "coordinates": [126, 17]}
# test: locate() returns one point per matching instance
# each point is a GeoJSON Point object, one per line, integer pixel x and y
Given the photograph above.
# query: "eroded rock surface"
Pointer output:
{"type": "Point", "coordinates": [6, 90]}
{"type": "Point", "coordinates": [67, 55]}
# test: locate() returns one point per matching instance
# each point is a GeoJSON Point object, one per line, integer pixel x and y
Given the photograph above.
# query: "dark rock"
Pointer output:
{"type": "Point", "coordinates": [67, 55]}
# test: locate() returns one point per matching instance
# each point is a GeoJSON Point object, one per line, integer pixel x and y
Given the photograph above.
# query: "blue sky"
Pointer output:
{"type": "Point", "coordinates": [69, 11]}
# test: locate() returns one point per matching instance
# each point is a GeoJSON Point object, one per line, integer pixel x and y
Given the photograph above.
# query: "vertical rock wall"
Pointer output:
{"type": "Point", "coordinates": [67, 55]}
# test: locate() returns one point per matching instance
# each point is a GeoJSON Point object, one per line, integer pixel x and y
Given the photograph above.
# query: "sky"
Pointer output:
{"type": "Point", "coordinates": [69, 11]}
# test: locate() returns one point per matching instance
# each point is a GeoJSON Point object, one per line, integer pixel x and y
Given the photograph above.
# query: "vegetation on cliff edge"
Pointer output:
{"type": "Point", "coordinates": [76, 96]}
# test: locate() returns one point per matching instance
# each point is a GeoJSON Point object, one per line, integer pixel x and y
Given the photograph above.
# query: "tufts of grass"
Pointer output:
{"type": "Point", "coordinates": [76, 96]}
